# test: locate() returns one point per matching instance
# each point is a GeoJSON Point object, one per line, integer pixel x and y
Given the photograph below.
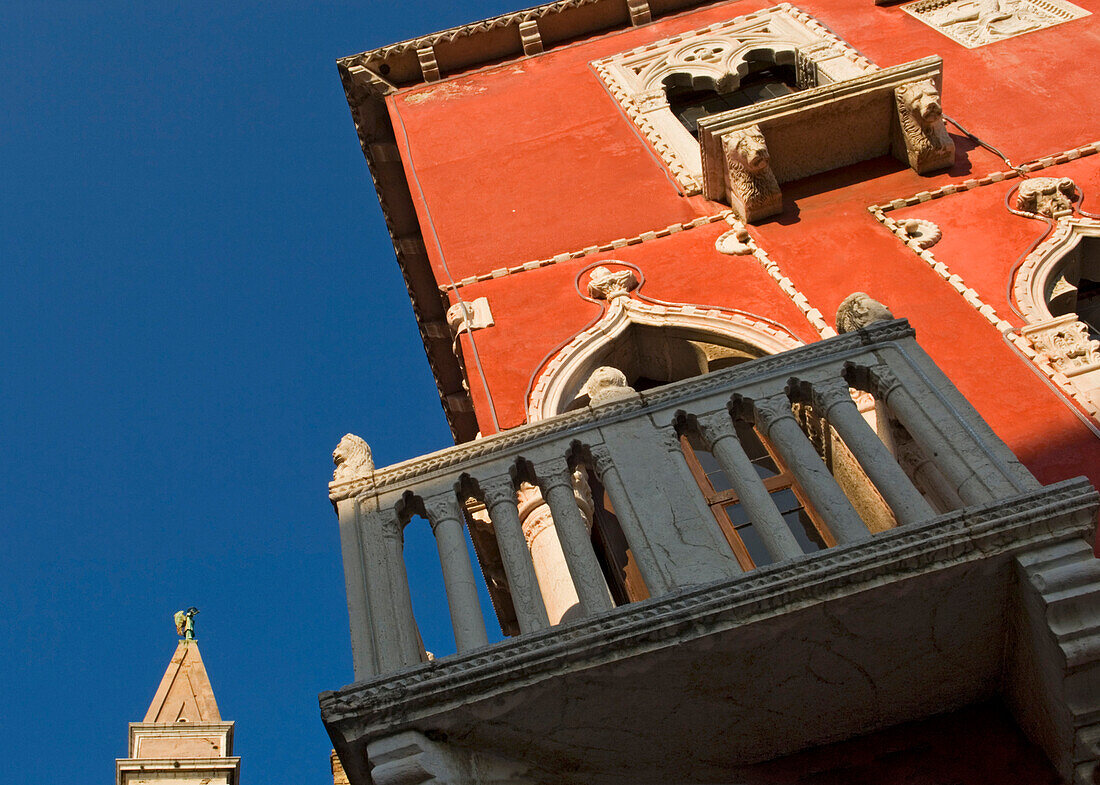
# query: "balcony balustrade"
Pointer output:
{"type": "Point", "coordinates": [951, 494]}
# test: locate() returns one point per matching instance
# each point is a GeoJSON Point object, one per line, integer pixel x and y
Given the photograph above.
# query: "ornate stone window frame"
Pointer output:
{"type": "Point", "coordinates": [564, 375]}
{"type": "Point", "coordinates": [1062, 340]}
{"type": "Point", "coordinates": [714, 56]}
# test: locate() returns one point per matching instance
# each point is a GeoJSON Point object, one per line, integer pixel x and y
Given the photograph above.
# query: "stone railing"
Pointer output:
{"type": "Point", "coordinates": [633, 448]}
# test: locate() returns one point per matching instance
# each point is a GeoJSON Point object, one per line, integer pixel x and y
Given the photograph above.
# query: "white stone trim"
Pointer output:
{"type": "Point", "coordinates": [563, 375]}
{"type": "Point", "coordinates": [1032, 341]}
{"type": "Point", "coordinates": [589, 250]}
{"type": "Point", "coordinates": [719, 53]}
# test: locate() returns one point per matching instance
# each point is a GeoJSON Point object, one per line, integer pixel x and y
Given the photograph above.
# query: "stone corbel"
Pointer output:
{"type": "Point", "coordinates": [750, 183]}
{"type": "Point", "coordinates": [921, 134]}
{"type": "Point", "coordinates": [411, 758]}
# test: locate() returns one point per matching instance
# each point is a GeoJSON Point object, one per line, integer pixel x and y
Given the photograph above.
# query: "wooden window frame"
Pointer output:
{"type": "Point", "coordinates": [717, 500]}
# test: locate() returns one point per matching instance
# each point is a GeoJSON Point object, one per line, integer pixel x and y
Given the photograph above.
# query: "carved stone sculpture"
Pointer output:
{"type": "Point", "coordinates": [735, 242]}
{"type": "Point", "coordinates": [606, 385]}
{"type": "Point", "coordinates": [925, 233]}
{"type": "Point", "coordinates": [606, 285]}
{"type": "Point", "coordinates": [859, 310]}
{"type": "Point", "coordinates": [352, 459]}
{"type": "Point", "coordinates": [753, 190]}
{"type": "Point", "coordinates": [920, 116]}
{"type": "Point", "coordinates": [979, 22]}
{"type": "Point", "coordinates": [1049, 196]}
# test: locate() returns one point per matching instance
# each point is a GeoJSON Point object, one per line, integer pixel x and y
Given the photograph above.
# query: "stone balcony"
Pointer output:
{"type": "Point", "coordinates": [976, 583]}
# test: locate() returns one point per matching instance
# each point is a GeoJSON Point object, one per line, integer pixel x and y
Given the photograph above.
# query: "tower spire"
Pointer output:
{"type": "Point", "coordinates": [182, 736]}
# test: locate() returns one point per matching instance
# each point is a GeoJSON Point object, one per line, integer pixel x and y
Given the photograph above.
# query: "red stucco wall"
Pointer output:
{"type": "Point", "coordinates": [534, 158]}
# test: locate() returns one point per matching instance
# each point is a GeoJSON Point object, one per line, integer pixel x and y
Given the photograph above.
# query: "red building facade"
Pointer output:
{"type": "Point", "coordinates": [675, 188]}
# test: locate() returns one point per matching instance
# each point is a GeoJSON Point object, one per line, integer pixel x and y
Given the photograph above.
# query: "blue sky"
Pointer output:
{"type": "Point", "coordinates": [198, 298]}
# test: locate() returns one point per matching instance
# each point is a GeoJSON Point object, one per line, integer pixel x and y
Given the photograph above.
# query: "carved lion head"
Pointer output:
{"type": "Point", "coordinates": [352, 458]}
{"type": "Point", "coordinates": [751, 147]}
{"type": "Point", "coordinates": [922, 100]}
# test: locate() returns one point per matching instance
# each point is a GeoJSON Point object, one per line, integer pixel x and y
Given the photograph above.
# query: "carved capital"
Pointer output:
{"type": "Point", "coordinates": [601, 456]}
{"type": "Point", "coordinates": [716, 426]}
{"type": "Point", "coordinates": [772, 410]}
{"type": "Point", "coordinates": [884, 380]}
{"type": "Point", "coordinates": [442, 508]}
{"type": "Point", "coordinates": [1066, 344]}
{"type": "Point", "coordinates": [498, 490]}
{"type": "Point", "coordinates": [551, 474]}
{"type": "Point", "coordinates": [391, 526]}
{"type": "Point", "coordinates": [827, 394]}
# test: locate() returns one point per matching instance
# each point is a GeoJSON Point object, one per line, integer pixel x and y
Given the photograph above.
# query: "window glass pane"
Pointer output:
{"type": "Point", "coordinates": [754, 448]}
{"type": "Point", "coordinates": [751, 538]}
{"type": "Point", "coordinates": [804, 531]}
{"type": "Point", "coordinates": [713, 471]}
{"type": "Point", "coordinates": [786, 501]}
{"type": "Point", "coordinates": [737, 514]}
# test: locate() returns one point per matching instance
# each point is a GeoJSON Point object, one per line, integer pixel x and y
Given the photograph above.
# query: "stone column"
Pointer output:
{"type": "Point", "coordinates": [555, 583]}
{"type": "Point", "coordinates": [720, 434]}
{"type": "Point", "coordinates": [364, 657]}
{"type": "Point", "coordinates": [556, 480]}
{"type": "Point", "coordinates": [624, 512]}
{"type": "Point", "coordinates": [836, 404]}
{"type": "Point", "coordinates": [500, 498]}
{"type": "Point", "coordinates": [777, 421]}
{"type": "Point", "coordinates": [458, 573]}
{"type": "Point", "coordinates": [393, 533]}
{"type": "Point", "coordinates": [924, 432]}
{"type": "Point", "coordinates": [385, 626]}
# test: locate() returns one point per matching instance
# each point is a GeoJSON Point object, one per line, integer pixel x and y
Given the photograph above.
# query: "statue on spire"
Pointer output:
{"type": "Point", "coordinates": [185, 623]}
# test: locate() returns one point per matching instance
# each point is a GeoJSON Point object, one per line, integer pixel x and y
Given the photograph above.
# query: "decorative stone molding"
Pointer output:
{"type": "Point", "coordinates": [569, 256]}
{"type": "Point", "coordinates": [381, 705]}
{"type": "Point", "coordinates": [974, 23]}
{"type": "Point", "coordinates": [428, 65]}
{"type": "Point", "coordinates": [411, 758]}
{"type": "Point", "coordinates": [923, 233]}
{"type": "Point", "coordinates": [1049, 196]}
{"type": "Point", "coordinates": [606, 285]}
{"type": "Point", "coordinates": [562, 377]}
{"type": "Point", "coordinates": [501, 487]}
{"type": "Point", "coordinates": [827, 127]}
{"type": "Point", "coordinates": [1066, 344]}
{"type": "Point", "coordinates": [352, 459]}
{"type": "Point", "coordinates": [735, 242]}
{"type": "Point", "coordinates": [1038, 270]}
{"type": "Point", "coordinates": [923, 134]}
{"type": "Point", "coordinates": [717, 56]}
{"type": "Point", "coordinates": [859, 310]}
{"type": "Point", "coordinates": [463, 317]}
{"type": "Point", "coordinates": [752, 189]}
{"type": "Point", "coordinates": [1054, 664]}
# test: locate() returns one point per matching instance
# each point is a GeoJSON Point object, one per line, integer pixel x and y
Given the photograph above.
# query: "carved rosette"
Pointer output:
{"type": "Point", "coordinates": [735, 242]}
{"type": "Point", "coordinates": [924, 234]}
{"type": "Point", "coordinates": [603, 284]}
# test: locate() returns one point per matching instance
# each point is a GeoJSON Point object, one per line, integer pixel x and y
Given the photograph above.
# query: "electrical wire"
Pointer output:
{"type": "Point", "coordinates": [446, 269]}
